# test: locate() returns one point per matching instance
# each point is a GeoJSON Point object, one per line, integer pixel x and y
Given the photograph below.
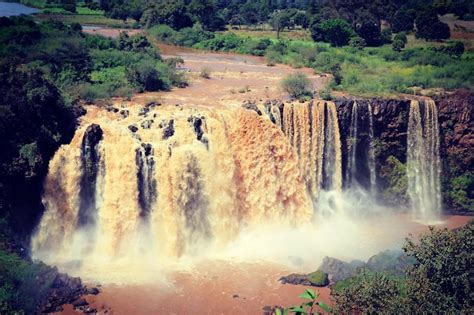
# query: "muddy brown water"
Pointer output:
{"type": "Point", "coordinates": [218, 286]}
{"type": "Point", "coordinates": [224, 287]}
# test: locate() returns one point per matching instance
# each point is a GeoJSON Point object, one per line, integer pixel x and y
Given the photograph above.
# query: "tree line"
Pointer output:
{"type": "Point", "coordinates": [336, 21]}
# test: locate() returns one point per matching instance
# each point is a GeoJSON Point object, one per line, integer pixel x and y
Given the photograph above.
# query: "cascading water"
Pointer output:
{"type": "Point", "coordinates": [195, 177]}
{"type": "Point", "coordinates": [313, 130]}
{"type": "Point", "coordinates": [371, 153]}
{"type": "Point", "coordinates": [189, 181]}
{"type": "Point", "coordinates": [423, 161]}
{"type": "Point", "coordinates": [360, 149]}
{"type": "Point", "coordinates": [352, 144]}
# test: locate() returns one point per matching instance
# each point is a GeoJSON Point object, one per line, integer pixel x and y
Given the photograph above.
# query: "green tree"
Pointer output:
{"type": "Point", "coordinates": [205, 12]}
{"type": "Point", "coordinates": [403, 21]}
{"type": "Point", "coordinates": [369, 293]}
{"type": "Point", "coordinates": [429, 27]}
{"type": "Point", "coordinates": [401, 37]}
{"type": "Point", "coordinates": [398, 45]}
{"type": "Point", "coordinates": [357, 42]}
{"type": "Point", "coordinates": [441, 279]}
{"type": "Point", "coordinates": [337, 32]}
{"type": "Point", "coordinates": [279, 21]}
{"type": "Point", "coordinates": [368, 27]}
{"type": "Point", "coordinates": [298, 85]}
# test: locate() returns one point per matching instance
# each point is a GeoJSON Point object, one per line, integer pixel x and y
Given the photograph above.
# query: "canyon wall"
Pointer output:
{"type": "Point", "coordinates": [390, 126]}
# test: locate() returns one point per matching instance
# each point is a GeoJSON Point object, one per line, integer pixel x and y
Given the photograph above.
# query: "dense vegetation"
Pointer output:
{"type": "Point", "coordinates": [45, 69]}
{"type": "Point", "coordinates": [439, 281]}
{"type": "Point", "coordinates": [24, 285]}
{"type": "Point", "coordinates": [368, 71]}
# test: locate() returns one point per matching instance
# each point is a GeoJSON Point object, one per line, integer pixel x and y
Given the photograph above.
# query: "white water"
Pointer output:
{"type": "Point", "coordinates": [423, 162]}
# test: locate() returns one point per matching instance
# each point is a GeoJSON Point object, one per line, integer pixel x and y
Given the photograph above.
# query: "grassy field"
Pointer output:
{"type": "Point", "coordinates": [86, 19]}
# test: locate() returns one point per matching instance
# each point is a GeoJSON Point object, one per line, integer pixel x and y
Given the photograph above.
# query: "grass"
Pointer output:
{"type": "Point", "coordinates": [87, 19]}
{"type": "Point", "coordinates": [267, 32]}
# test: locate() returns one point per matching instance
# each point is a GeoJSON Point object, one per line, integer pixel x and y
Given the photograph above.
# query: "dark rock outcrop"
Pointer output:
{"type": "Point", "coordinates": [393, 261]}
{"type": "Point", "coordinates": [456, 121]}
{"type": "Point", "coordinates": [338, 269]}
{"type": "Point", "coordinates": [133, 128]}
{"type": "Point", "coordinates": [315, 279]}
{"type": "Point", "coordinates": [64, 290]}
{"type": "Point", "coordinates": [252, 106]}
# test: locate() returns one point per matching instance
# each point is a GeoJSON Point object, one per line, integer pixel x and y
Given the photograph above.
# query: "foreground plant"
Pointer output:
{"type": "Point", "coordinates": [306, 308]}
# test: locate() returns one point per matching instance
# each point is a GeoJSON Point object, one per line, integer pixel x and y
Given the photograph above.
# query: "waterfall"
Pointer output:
{"type": "Point", "coordinates": [332, 150]}
{"type": "Point", "coordinates": [90, 158]}
{"type": "Point", "coordinates": [194, 176]}
{"type": "Point", "coordinates": [423, 161]}
{"type": "Point", "coordinates": [352, 145]}
{"type": "Point", "coordinates": [313, 131]}
{"type": "Point", "coordinates": [361, 159]}
{"type": "Point", "coordinates": [147, 191]}
{"type": "Point", "coordinates": [371, 153]}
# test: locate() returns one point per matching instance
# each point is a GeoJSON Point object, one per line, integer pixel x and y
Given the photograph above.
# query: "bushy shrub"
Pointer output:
{"type": "Point", "coordinates": [222, 42]}
{"type": "Point", "coordinates": [336, 31]}
{"type": "Point", "coordinates": [189, 36]}
{"type": "Point", "coordinates": [385, 36]}
{"type": "Point", "coordinates": [100, 42]}
{"type": "Point", "coordinates": [149, 76]}
{"type": "Point", "coordinates": [205, 73]}
{"type": "Point", "coordinates": [297, 85]}
{"type": "Point", "coordinates": [455, 49]}
{"type": "Point", "coordinates": [368, 293]}
{"type": "Point", "coordinates": [357, 42]}
{"type": "Point", "coordinates": [441, 279]}
{"type": "Point", "coordinates": [398, 45]}
{"type": "Point", "coordinates": [402, 36]}
{"type": "Point", "coordinates": [461, 191]}
{"type": "Point", "coordinates": [163, 33]}
{"type": "Point", "coordinates": [272, 57]}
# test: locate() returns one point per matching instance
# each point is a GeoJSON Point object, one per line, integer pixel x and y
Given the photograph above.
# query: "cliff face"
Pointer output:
{"type": "Point", "coordinates": [457, 149]}
{"type": "Point", "coordinates": [390, 117]}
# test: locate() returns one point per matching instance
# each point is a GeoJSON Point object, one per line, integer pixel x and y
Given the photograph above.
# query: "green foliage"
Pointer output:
{"type": "Point", "coordinates": [441, 279]}
{"type": "Point", "coordinates": [455, 50]}
{"type": "Point", "coordinates": [402, 36]}
{"type": "Point", "coordinates": [393, 173]}
{"type": "Point", "coordinates": [23, 284]}
{"type": "Point", "coordinates": [336, 73]}
{"type": "Point", "coordinates": [337, 32]}
{"type": "Point", "coordinates": [357, 42]}
{"type": "Point", "coordinates": [368, 27]}
{"type": "Point", "coordinates": [297, 85]}
{"type": "Point", "coordinates": [368, 293]}
{"type": "Point", "coordinates": [403, 21]}
{"type": "Point", "coordinates": [461, 191]}
{"type": "Point", "coordinates": [280, 20]}
{"type": "Point", "coordinates": [398, 45]}
{"type": "Point", "coordinates": [325, 94]}
{"type": "Point", "coordinates": [429, 27]}
{"type": "Point", "coordinates": [148, 76]}
{"type": "Point", "coordinates": [308, 307]}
